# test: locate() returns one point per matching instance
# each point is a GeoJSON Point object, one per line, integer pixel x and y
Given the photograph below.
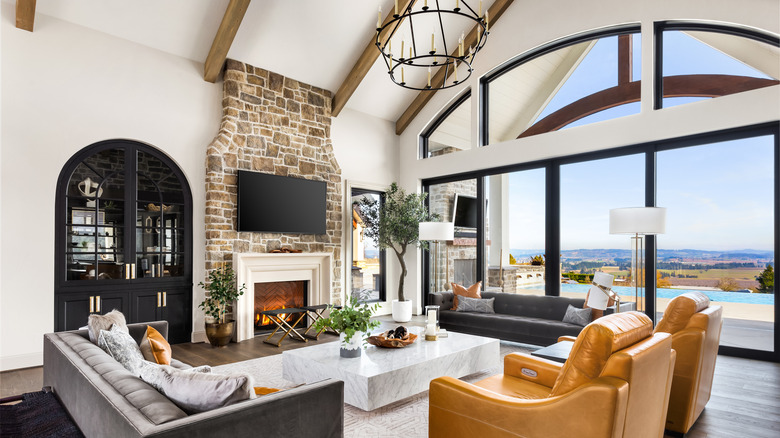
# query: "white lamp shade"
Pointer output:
{"type": "Point", "coordinates": [637, 220]}
{"type": "Point", "coordinates": [597, 299]}
{"type": "Point", "coordinates": [437, 231]}
{"type": "Point", "coordinates": [603, 279]}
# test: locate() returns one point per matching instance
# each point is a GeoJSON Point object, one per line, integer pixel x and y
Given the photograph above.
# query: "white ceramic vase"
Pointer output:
{"type": "Point", "coordinates": [402, 311]}
{"type": "Point", "coordinates": [353, 347]}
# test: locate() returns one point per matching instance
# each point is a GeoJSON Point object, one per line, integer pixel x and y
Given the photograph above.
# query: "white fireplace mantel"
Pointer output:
{"type": "Point", "coordinates": [254, 268]}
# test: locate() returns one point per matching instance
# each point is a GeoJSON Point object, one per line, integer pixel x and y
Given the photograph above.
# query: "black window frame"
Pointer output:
{"type": "Point", "coordinates": [356, 191]}
{"type": "Point", "coordinates": [438, 121]}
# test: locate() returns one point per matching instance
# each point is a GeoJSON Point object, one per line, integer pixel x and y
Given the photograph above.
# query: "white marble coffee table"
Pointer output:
{"type": "Point", "coordinates": [383, 375]}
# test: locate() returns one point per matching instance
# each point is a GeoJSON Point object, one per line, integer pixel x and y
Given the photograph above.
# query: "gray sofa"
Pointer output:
{"type": "Point", "coordinates": [104, 399]}
{"type": "Point", "coordinates": [531, 319]}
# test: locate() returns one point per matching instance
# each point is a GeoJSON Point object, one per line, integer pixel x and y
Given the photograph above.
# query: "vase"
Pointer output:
{"type": "Point", "coordinates": [220, 334]}
{"type": "Point", "coordinates": [351, 348]}
{"type": "Point", "coordinates": [402, 311]}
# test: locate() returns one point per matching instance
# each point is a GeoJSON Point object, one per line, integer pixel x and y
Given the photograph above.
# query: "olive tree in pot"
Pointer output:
{"type": "Point", "coordinates": [395, 224]}
{"type": "Point", "coordinates": [222, 291]}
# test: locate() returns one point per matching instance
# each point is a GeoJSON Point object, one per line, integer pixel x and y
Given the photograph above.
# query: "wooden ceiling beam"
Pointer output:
{"type": "Point", "coordinates": [496, 11]}
{"type": "Point", "coordinates": [363, 65]}
{"type": "Point", "coordinates": [234, 14]}
{"type": "Point", "coordinates": [25, 14]}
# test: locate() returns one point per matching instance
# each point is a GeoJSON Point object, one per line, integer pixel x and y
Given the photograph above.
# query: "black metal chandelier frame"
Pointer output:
{"type": "Point", "coordinates": [432, 58]}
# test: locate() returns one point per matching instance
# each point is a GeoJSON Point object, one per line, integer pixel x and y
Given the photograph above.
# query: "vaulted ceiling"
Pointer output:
{"type": "Point", "coordinates": [314, 41]}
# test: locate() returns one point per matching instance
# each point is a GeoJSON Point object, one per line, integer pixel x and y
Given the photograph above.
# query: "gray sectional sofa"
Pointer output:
{"type": "Point", "coordinates": [104, 399]}
{"type": "Point", "coordinates": [531, 319]}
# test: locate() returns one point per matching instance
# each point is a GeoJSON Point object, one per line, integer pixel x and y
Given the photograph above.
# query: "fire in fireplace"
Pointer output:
{"type": "Point", "coordinates": [277, 295]}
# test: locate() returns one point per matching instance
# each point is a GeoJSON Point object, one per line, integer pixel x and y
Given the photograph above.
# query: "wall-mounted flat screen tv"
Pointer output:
{"type": "Point", "coordinates": [280, 204]}
{"type": "Point", "coordinates": [464, 211]}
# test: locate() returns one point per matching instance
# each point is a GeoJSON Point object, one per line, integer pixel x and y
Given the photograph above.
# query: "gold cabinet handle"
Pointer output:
{"type": "Point", "coordinates": [132, 269]}
{"type": "Point", "coordinates": [127, 271]}
{"type": "Point", "coordinates": [91, 304]}
{"type": "Point", "coordinates": [97, 303]}
{"type": "Point", "coordinates": [165, 299]}
{"type": "Point", "coordinates": [159, 299]}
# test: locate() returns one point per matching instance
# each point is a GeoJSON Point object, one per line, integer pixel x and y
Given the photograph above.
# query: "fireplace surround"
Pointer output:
{"type": "Point", "coordinates": [253, 268]}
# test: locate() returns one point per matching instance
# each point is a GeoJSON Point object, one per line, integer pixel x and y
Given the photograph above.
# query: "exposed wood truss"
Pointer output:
{"type": "Point", "coordinates": [25, 14]}
{"type": "Point", "coordinates": [673, 86]}
{"type": "Point", "coordinates": [363, 64]}
{"type": "Point", "coordinates": [496, 11]}
{"type": "Point", "coordinates": [234, 14]}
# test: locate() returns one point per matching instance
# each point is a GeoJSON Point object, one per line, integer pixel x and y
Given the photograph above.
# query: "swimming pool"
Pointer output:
{"type": "Point", "coordinates": [720, 296]}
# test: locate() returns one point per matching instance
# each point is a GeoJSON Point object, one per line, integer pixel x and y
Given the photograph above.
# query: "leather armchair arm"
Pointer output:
{"type": "Point", "coordinates": [567, 338]}
{"type": "Point", "coordinates": [459, 409]}
{"type": "Point", "coordinates": [546, 371]}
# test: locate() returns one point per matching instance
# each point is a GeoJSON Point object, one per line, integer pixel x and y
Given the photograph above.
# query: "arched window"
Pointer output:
{"type": "Point", "coordinates": [450, 132]}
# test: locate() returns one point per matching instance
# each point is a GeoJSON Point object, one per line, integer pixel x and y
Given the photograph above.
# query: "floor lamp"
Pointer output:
{"type": "Point", "coordinates": [639, 221]}
{"type": "Point", "coordinates": [436, 232]}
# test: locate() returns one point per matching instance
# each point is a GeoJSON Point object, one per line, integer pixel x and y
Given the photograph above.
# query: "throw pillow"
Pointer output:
{"type": "Point", "coordinates": [154, 347]}
{"type": "Point", "coordinates": [197, 392]}
{"type": "Point", "coordinates": [262, 390]}
{"type": "Point", "coordinates": [122, 347]}
{"type": "Point", "coordinates": [96, 323]}
{"type": "Point", "coordinates": [577, 316]}
{"type": "Point", "coordinates": [485, 305]}
{"type": "Point", "coordinates": [473, 292]}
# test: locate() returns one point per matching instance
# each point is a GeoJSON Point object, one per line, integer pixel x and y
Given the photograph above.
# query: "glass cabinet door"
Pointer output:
{"type": "Point", "coordinates": [159, 231]}
{"type": "Point", "coordinates": [94, 226]}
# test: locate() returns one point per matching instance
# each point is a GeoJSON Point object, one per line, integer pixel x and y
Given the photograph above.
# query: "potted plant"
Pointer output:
{"type": "Point", "coordinates": [395, 224]}
{"type": "Point", "coordinates": [353, 322]}
{"type": "Point", "coordinates": [222, 291]}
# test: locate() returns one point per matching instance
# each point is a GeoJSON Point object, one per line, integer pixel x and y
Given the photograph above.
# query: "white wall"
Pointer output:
{"type": "Point", "coordinates": [65, 87]}
{"type": "Point", "coordinates": [527, 24]}
{"type": "Point", "coordinates": [366, 148]}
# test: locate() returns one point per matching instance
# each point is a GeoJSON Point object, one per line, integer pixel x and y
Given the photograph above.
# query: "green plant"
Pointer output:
{"type": "Point", "coordinates": [222, 290]}
{"type": "Point", "coordinates": [766, 280]}
{"type": "Point", "coordinates": [395, 224]}
{"type": "Point", "coordinates": [537, 260]}
{"type": "Point", "coordinates": [353, 317]}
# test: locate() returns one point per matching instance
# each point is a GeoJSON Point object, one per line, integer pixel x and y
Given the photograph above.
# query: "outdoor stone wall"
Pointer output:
{"type": "Point", "coordinates": [276, 125]}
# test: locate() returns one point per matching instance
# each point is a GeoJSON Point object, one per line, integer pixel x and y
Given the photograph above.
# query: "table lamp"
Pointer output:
{"type": "Point", "coordinates": [601, 291]}
{"type": "Point", "coordinates": [639, 221]}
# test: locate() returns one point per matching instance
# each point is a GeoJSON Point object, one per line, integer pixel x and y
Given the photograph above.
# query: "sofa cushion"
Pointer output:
{"type": "Point", "coordinates": [122, 347]}
{"type": "Point", "coordinates": [479, 305]}
{"type": "Point", "coordinates": [577, 316]}
{"type": "Point", "coordinates": [154, 347]}
{"type": "Point", "coordinates": [197, 392]}
{"type": "Point", "coordinates": [96, 323]}
{"type": "Point", "coordinates": [472, 292]}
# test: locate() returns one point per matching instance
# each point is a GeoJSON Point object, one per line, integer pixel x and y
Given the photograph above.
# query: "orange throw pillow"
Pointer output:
{"type": "Point", "coordinates": [262, 390]}
{"type": "Point", "coordinates": [473, 292]}
{"type": "Point", "coordinates": [155, 348]}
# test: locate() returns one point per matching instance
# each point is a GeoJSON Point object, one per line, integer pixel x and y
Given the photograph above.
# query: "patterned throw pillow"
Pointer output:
{"type": "Point", "coordinates": [122, 347]}
{"type": "Point", "coordinates": [577, 316]}
{"type": "Point", "coordinates": [96, 323]}
{"type": "Point", "coordinates": [480, 305]}
{"type": "Point", "coordinates": [473, 292]}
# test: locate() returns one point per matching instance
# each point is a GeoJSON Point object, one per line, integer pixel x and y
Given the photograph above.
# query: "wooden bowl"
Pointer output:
{"type": "Point", "coordinates": [384, 342]}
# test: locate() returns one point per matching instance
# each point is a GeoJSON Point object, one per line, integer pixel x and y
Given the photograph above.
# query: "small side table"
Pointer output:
{"type": "Point", "coordinates": [275, 317]}
{"type": "Point", "coordinates": [315, 313]}
{"type": "Point", "coordinates": [557, 352]}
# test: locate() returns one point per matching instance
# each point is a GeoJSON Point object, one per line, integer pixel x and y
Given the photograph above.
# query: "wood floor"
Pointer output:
{"type": "Point", "coordinates": [745, 399]}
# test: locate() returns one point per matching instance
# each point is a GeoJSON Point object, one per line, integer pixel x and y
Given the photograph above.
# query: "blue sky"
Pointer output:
{"type": "Point", "coordinates": [718, 196]}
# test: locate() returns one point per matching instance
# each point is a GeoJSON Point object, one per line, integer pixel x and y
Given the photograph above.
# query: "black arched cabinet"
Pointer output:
{"type": "Point", "coordinates": [123, 238]}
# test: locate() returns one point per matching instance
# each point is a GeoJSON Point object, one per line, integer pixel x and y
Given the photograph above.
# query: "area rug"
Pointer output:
{"type": "Point", "coordinates": [39, 414]}
{"type": "Point", "coordinates": [407, 418]}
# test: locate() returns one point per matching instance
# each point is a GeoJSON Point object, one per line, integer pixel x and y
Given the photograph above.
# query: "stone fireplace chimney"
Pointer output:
{"type": "Point", "coordinates": [276, 125]}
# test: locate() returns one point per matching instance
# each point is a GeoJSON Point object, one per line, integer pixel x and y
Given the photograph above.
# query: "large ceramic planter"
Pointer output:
{"type": "Point", "coordinates": [402, 311]}
{"type": "Point", "coordinates": [220, 334]}
{"type": "Point", "coordinates": [351, 348]}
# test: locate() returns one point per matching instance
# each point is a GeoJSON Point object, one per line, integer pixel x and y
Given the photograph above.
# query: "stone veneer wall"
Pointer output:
{"type": "Point", "coordinates": [276, 125]}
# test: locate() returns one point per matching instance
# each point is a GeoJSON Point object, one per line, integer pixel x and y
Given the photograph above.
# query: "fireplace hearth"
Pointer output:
{"type": "Point", "coordinates": [277, 295]}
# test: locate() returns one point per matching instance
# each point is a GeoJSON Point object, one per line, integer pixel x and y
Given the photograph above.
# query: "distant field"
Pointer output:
{"type": "Point", "coordinates": [710, 274]}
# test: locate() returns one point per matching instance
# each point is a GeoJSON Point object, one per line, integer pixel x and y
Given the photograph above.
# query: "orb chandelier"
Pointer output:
{"type": "Point", "coordinates": [404, 43]}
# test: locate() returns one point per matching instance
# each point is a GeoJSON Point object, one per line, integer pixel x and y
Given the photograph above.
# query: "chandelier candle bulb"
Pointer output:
{"type": "Point", "coordinates": [480, 7]}
{"type": "Point", "coordinates": [396, 7]}
{"type": "Point", "coordinates": [433, 47]}
{"type": "Point", "coordinates": [379, 18]}
{"type": "Point", "coordinates": [487, 21]}
{"type": "Point", "coordinates": [410, 52]}
{"type": "Point", "coordinates": [402, 75]}
{"type": "Point", "coordinates": [402, 47]}
{"type": "Point", "coordinates": [455, 69]}
{"type": "Point", "coordinates": [429, 76]}
{"type": "Point", "coordinates": [457, 4]}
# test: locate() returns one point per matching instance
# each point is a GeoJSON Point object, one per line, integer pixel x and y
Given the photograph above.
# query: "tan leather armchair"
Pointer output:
{"type": "Point", "coordinates": [615, 384]}
{"type": "Point", "coordinates": [695, 327]}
